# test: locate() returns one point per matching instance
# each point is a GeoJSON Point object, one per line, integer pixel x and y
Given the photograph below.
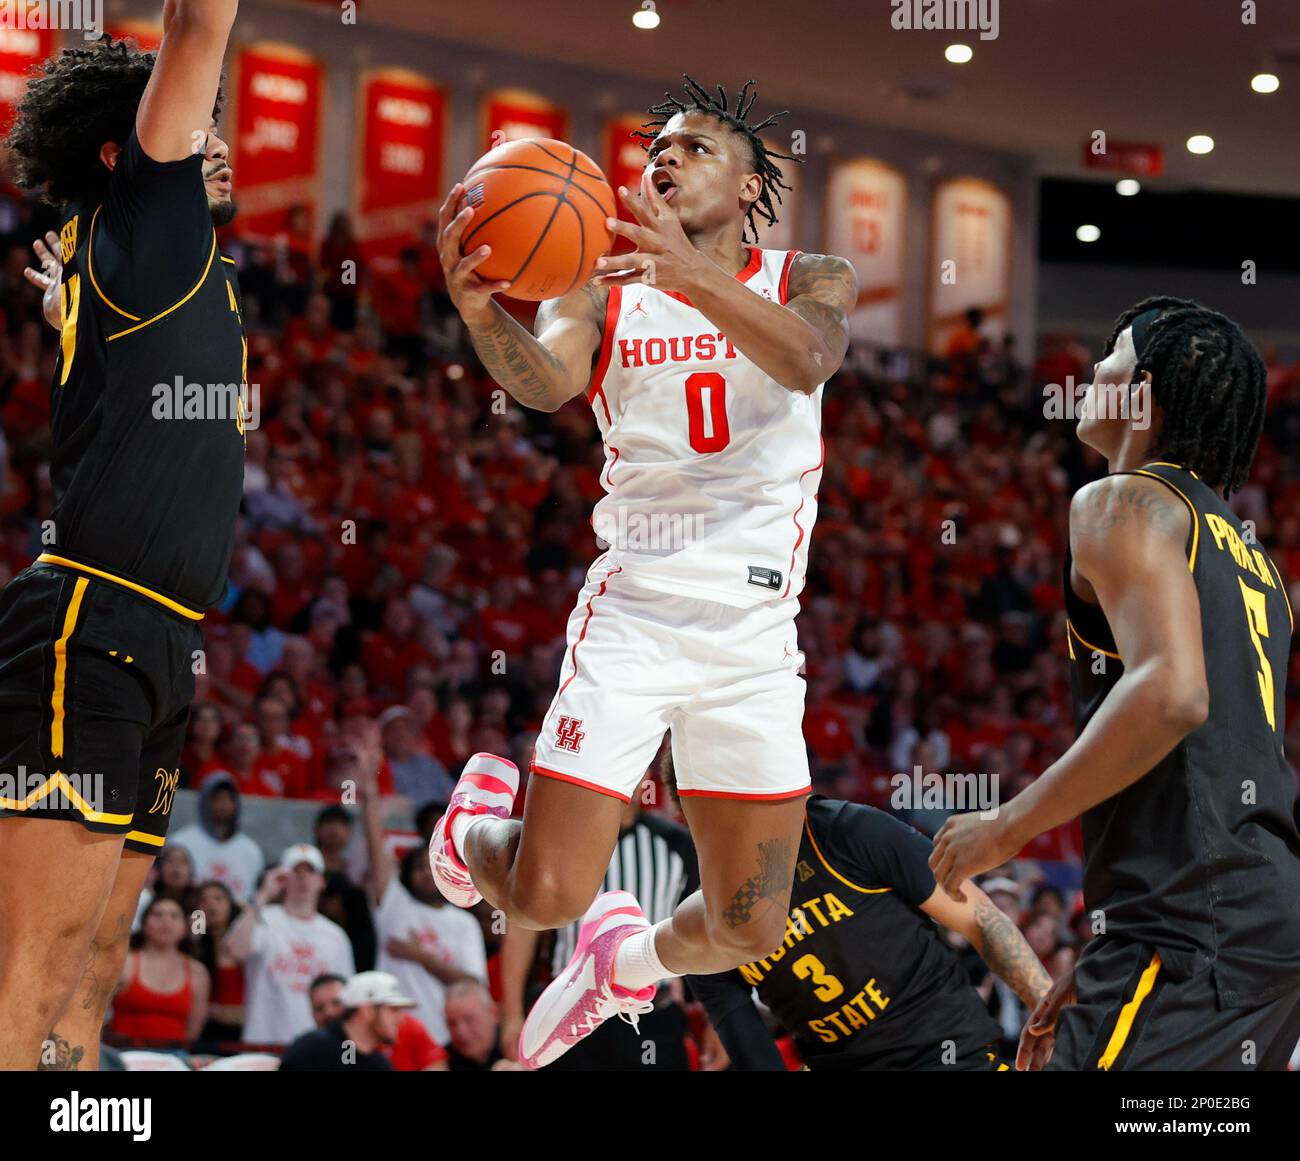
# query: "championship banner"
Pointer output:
{"type": "Point", "coordinates": [784, 235]}
{"type": "Point", "coordinates": [276, 139]}
{"type": "Point", "coordinates": [20, 49]}
{"type": "Point", "coordinates": [970, 260]}
{"type": "Point", "coordinates": [145, 33]}
{"type": "Point", "coordinates": [511, 114]}
{"type": "Point", "coordinates": [403, 134]}
{"type": "Point", "coordinates": [624, 163]}
{"type": "Point", "coordinates": [866, 203]}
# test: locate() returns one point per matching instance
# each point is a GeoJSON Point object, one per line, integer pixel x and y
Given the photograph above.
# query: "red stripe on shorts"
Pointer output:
{"type": "Point", "coordinates": [536, 769]}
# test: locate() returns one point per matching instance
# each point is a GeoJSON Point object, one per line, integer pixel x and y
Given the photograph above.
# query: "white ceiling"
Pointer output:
{"type": "Point", "coordinates": [1142, 70]}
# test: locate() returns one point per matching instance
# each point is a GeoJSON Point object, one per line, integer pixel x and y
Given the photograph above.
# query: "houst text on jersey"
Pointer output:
{"type": "Point", "coordinates": [685, 349]}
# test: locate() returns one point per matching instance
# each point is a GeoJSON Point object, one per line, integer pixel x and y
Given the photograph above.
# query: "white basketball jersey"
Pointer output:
{"type": "Point", "coordinates": [711, 466]}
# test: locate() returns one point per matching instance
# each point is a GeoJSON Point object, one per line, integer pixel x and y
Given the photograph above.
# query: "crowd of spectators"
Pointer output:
{"type": "Point", "coordinates": [409, 550]}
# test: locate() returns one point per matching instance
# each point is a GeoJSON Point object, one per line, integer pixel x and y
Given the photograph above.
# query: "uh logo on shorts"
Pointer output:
{"type": "Point", "coordinates": [569, 734]}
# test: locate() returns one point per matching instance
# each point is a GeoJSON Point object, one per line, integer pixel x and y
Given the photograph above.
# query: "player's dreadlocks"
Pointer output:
{"type": "Point", "coordinates": [79, 99]}
{"type": "Point", "coordinates": [1209, 381]}
{"type": "Point", "coordinates": [700, 100]}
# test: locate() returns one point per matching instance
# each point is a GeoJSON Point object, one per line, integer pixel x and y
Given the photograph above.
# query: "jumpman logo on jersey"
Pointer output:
{"type": "Point", "coordinates": [640, 306]}
{"type": "Point", "coordinates": [788, 654]}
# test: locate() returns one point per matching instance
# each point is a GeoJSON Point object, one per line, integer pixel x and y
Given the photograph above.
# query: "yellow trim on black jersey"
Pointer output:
{"type": "Point", "coordinates": [1196, 519]}
{"type": "Point", "coordinates": [1128, 1013]}
{"type": "Point", "coordinates": [1165, 464]}
{"type": "Point", "coordinates": [230, 260]}
{"type": "Point", "coordinates": [90, 266]}
{"type": "Point", "coordinates": [1285, 595]}
{"type": "Point", "coordinates": [1069, 625]}
{"type": "Point", "coordinates": [833, 871]}
{"type": "Point", "coordinates": [167, 602]}
{"type": "Point", "coordinates": [61, 667]}
{"type": "Point", "coordinates": [152, 839]}
{"type": "Point", "coordinates": [176, 305]}
{"type": "Point", "coordinates": [57, 780]}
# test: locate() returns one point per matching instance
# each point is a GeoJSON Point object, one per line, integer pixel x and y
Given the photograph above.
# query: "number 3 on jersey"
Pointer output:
{"type": "Point", "coordinates": [826, 986]}
{"type": "Point", "coordinates": [706, 411]}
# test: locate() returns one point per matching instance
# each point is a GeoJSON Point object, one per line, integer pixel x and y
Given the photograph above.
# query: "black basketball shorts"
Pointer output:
{"type": "Point", "coordinates": [96, 679]}
{"type": "Point", "coordinates": [1132, 1015]}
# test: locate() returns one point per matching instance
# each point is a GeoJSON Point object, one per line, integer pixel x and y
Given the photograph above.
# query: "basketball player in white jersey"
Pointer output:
{"type": "Point", "coordinates": [703, 360]}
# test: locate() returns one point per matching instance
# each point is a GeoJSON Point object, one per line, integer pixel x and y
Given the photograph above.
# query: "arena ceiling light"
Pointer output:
{"type": "Point", "coordinates": [1200, 143]}
{"type": "Point", "coordinates": [1265, 83]}
{"type": "Point", "coordinates": [1088, 233]}
{"type": "Point", "coordinates": [958, 53]}
{"type": "Point", "coordinates": [1128, 187]}
{"type": "Point", "coordinates": [646, 16]}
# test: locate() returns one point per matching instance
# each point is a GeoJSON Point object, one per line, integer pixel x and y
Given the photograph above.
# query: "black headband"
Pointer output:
{"type": "Point", "coordinates": [1141, 326]}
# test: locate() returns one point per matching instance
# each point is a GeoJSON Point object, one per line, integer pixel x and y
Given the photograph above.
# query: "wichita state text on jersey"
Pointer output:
{"type": "Point", "coordinates": [863, 978]}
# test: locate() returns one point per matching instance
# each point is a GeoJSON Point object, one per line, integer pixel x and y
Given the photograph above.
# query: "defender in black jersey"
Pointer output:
{"type": "Point", "coordinates": [863, 979]}
{"type": "Point", "coordinates": [1179, 638]}
{"type": "Point", "coordinates": [98, 640]}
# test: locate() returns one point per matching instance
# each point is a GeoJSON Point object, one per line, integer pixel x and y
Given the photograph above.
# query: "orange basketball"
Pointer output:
{"type": "Point", "coordinates": [541, 205]}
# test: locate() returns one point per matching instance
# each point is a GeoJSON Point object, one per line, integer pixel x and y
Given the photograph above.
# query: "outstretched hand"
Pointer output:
{"type": "Point", "coordinates": [49, 278]}
{"type": "Point", "coordinates": [1039, 1035]}
{"type": "Point", "coordinates": [664, 256]}
{"type": "Point", "coordinates": [470, 293]}
{"type": "Point", "coordinates": [968, 845]}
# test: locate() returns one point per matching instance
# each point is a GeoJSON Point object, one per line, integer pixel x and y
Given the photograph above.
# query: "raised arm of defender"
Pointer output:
{"type": "Point", "coordinates": [542, 372]}
{"type": "Point", "coordinates": [176, 109]}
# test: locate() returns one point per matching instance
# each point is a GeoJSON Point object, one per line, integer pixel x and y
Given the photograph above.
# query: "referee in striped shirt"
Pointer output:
{"type": "Point", "coordinates": [655, 860]}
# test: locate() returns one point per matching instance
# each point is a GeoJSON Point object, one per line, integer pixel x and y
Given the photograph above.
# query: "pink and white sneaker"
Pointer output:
{"type": "Point", "coordinates": [487, 785]}
{"type": "Point", "coordinates": [584, 995]}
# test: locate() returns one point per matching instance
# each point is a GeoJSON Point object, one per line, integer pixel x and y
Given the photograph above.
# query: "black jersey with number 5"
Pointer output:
{"type": "Point", "coordinates": [148, 432]}
{"type": "Point", "coordinates": [1200, 859]}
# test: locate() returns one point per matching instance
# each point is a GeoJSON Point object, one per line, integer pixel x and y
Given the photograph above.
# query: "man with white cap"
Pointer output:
{"type": "Point", "coordinates": [372, 1010]}
{"type": "Point", "coordinates": [284, 946]}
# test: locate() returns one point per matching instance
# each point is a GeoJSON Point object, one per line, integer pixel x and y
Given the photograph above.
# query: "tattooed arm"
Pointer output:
{"type": "Point", "coordinates": [800, 344]}
{"type": "Point", "coordinates": [546, 371]}
{"type": "Point", "coordinates": [1128, 537]}
{"type": "Point", "coordinates": [995, 937]}
{"type": "Point", "coordinates": [541, 372]}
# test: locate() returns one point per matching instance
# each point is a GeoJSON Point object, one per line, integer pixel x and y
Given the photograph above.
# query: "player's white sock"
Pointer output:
{"type": "Point", "coordinates": [460, 826]}
{"type": "Point", "coordinates": [637, 964]}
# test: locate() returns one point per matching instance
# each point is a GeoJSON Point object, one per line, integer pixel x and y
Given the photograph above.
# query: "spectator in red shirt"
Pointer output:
{"type": "Point", "coordinates": [390, 653]}
{"type": "Point", "coordinates": [201, 737]}
{"type": "Point", "coordinates": [343, 271]}
{"type": "Point", "coordinates": [278, 762]}
{"type": "Point", "coordinates": [399, 299]}
{"type": "Point", "coordinates": [240, 758]}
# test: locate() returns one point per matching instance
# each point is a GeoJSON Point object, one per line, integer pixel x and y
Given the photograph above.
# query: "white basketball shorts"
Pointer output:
{"type": "Point", "coordinates": [724, 680]}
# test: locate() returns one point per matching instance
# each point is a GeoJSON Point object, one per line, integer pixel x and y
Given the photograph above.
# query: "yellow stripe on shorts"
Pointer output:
{"type": "Point", "coordinates": [1128, 1013]}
